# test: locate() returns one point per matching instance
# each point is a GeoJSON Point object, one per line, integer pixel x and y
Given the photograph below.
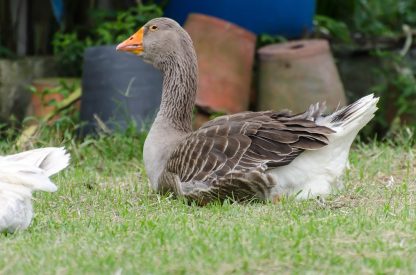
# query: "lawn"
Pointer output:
{"type": "Point", "coordinates": [105, 220]}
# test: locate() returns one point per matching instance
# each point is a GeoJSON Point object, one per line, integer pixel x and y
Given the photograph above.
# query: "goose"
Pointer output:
{"type": "Point", "coordinates": [261, 156]}
{"type": "Point", "coordinates": [20, 175]}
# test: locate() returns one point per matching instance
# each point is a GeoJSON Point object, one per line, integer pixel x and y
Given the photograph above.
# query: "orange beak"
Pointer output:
{"type": "Point", "coordinates": [133, 44]}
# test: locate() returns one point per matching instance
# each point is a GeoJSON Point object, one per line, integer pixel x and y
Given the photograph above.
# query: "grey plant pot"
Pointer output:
{"type": "Point", "coordinates": [117, 88]}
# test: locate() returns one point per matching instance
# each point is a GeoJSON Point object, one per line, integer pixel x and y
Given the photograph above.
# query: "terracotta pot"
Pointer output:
{"type": "Point", "coordinates": [225, 59]}
{"type": "Point", "coordinates": [39, 107]}
{"type": "Point", "coordinates": [295, 74]}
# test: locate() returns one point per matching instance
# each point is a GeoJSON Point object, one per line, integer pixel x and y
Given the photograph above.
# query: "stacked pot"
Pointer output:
{"type": "Point", "coordinates": [225, 60]}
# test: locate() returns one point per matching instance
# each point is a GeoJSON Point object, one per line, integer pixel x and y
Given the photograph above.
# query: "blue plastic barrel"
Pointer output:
{"type": "Point", "coordinates": [290, 18]}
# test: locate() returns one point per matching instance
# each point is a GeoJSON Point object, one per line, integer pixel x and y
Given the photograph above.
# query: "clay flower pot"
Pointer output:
{"type": "Point", "coordinates": [45, 91]}
{"type": "Point", "coordinates": [295, 74]}
{"type": "Point", "coordinates": [225, 59]}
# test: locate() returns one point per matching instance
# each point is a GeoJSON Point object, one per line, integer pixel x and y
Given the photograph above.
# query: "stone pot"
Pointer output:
{"type": "Point", "coordinates": [15, 78]}
{"type": "Point", "coordinates": [295, 74]}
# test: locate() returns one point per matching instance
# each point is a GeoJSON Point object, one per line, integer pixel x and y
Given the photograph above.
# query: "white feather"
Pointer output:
{"type": "Point", "coordinates": [318, 172]}
{"type": "Point", "coordinates": [20, 175]}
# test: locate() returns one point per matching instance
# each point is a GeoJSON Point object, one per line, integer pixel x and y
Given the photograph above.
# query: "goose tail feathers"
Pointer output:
{"type": "Point", "coordinates": [33, 168]}
{"type": "Point", "coordinates": [50, 159]}
{"type": "Point", "coordinates": [352, 118]}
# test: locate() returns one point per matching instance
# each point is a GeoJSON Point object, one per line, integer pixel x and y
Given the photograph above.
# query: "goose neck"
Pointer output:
{"type": "Point", "coordinates": [179, 92]}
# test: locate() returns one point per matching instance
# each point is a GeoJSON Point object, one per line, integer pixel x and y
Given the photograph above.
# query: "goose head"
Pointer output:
{"type": "Point", "coordinates": [160, 41]}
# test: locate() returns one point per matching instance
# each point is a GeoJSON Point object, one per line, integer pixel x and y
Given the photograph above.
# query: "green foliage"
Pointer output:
{"type": "Point", "coordinates": [69, 50]}
{"type": "Point", "coordinates": [107, 28]}
{"type": "Point", "coordinates": [335, 28]}
{"type": "Point", "coordinates": [64, 89]}
{"type": "Point", "coordinates": [216, 114]}
{"type": "Point", "coordinates": [124, 24]}
{"type": "Point", "coordinates": [5, 52]}
{"type": "Point", "coordinates": [368, 18]}
{"type": "Point", "coordinates": [397, 92]}
{"type": "Point", "coordinates": [265, 39]}
{"type": "Point", "coordinates": [372, 25]}
{"type": "Point", "coordinates": [66, 120]}
{"type": "Point", "coordinates": [341, 10]}
{"type": "Point", "coordinates": [383, 18]}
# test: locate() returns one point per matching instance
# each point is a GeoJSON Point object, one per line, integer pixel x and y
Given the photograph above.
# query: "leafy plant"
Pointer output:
{"type": "Point", "coordinates": [368, 18]}
{"type": "Point", "coordinates": [397, 92]}
{"type": "Point", "coordinates": [69, 50]}
{"type": "Point", "coordinates": [332, 27]}
{"type": "Point", "coordinates": [64, 89]}
{"type": "Point", "coordinates": [108, 28]}
{"type": "Point", "coordinates": [265, 39]}
{"type": "Point", "coordinates": [377, 27]}
{"type": "Point", "coordinates": [124, 23]}
{"type": "Point", "coordinates": [383, 18]}
{"type": "Point", "coordinates": [65, 112]}
{"type": "Point", "coordinates": [5, 52]}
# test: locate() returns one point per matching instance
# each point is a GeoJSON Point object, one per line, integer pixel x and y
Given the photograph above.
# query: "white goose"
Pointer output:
{"type": "Point", "coordinates": [260, 155]}
{"type": "Point", "coordinates": [20, 175]}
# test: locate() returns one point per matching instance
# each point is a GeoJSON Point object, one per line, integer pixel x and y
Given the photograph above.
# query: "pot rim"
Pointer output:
{"type": "Point", "coordinates": [294, 49]}
{"type": "Point", "coordinates": [251, 36]}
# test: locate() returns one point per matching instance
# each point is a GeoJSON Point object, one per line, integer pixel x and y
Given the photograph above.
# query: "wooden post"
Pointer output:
{"type": "Point", "coordinates": [19, 11]}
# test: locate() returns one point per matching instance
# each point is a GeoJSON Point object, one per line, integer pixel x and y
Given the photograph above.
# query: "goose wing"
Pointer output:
{"type": "Point", "coordinates": [250, 141]}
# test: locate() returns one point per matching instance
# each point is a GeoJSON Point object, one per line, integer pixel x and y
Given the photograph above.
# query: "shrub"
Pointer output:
{"type": "Point", "coordinates": [107, 29]}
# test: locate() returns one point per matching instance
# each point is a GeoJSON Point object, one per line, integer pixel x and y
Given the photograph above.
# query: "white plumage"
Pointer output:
{"type": "Point", "coordinates": [318, 172]}
{"type": "Point", "coordinates": [20, 175]}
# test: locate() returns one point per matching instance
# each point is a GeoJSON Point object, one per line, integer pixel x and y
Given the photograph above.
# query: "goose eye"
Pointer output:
{"type": "Point", "coordinates": [153, 27]}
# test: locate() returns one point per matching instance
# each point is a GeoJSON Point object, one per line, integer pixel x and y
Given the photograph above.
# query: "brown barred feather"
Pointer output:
{"type": "Point", "coordinates": [227, 157]}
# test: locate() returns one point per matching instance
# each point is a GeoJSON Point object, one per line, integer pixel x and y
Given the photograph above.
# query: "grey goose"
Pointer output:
{"type": "Point", "coordinates": [250, 155]}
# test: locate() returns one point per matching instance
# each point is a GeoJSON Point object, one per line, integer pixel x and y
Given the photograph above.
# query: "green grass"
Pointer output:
{"type": "Point", "coordinates": [105, 220]}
